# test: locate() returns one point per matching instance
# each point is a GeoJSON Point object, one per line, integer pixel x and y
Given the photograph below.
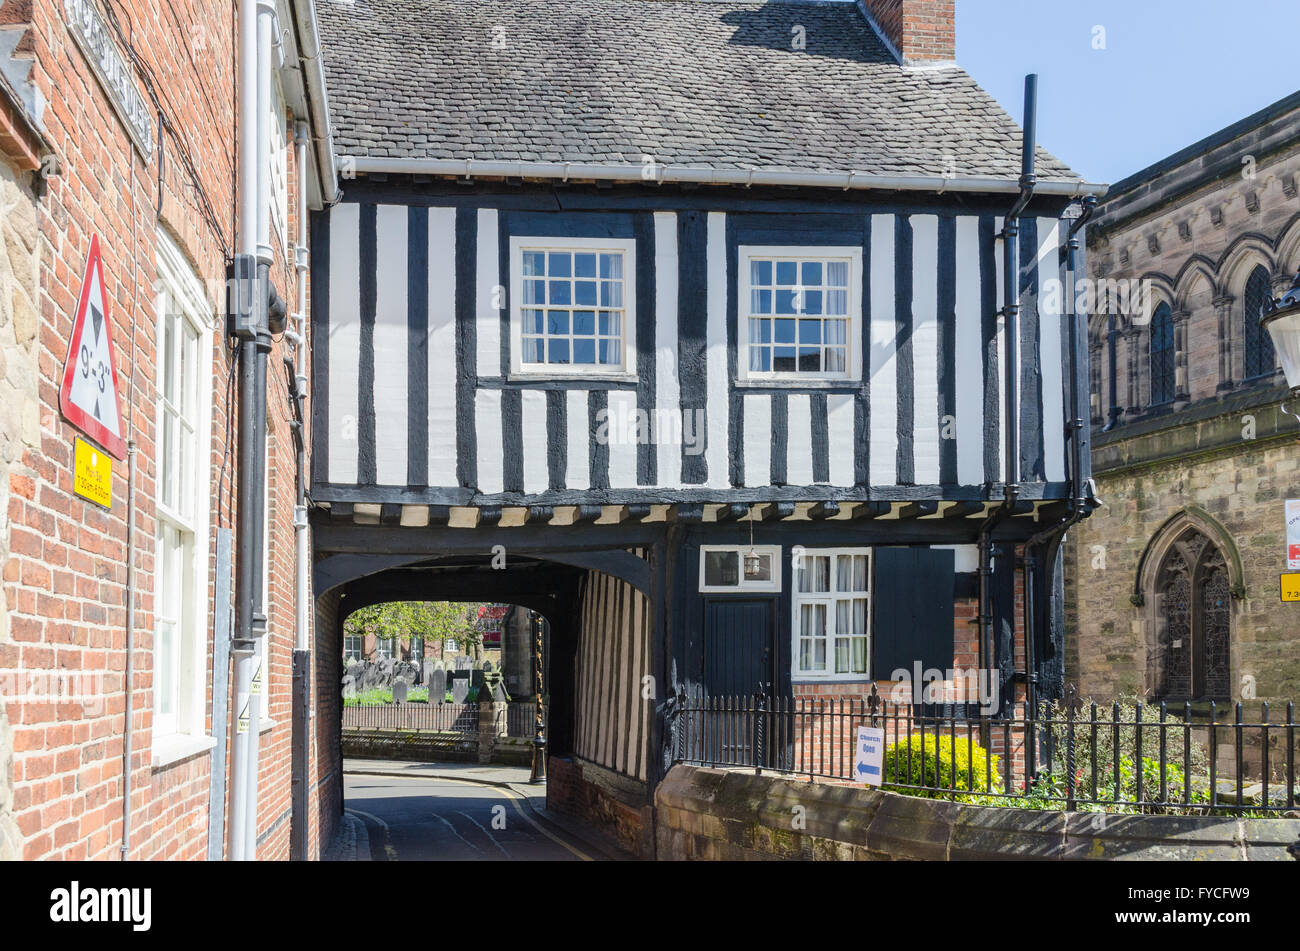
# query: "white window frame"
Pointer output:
{"type": "Point", "coordinates": [624, 372]}
{"type": "Point", "coordinates": [384, 647]}
{"type": "Point", "coordinates": [798, 598]}
{"type": "Point", "coordinates": [348, 652]}
{"type": "Point", "coordinates": [742, 585]}
{"type": "Point", "coordinates": [853, 341]}
{"type": "Point", "coordinates": [183, 732]}
{"type": "Point", "coordinates": [277, 160]}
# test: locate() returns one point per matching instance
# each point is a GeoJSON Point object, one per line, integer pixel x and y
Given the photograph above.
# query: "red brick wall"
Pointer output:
{"type": "Point", "coordinates": [826, 742]}
{"type": "Point", "coordinates": [66, 575]}
{"type": "Point", "coordinates": [921, 30]}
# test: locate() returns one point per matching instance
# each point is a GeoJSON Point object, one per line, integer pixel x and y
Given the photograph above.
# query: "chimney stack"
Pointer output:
{"type": "Point", "coordinates": [921, 31]}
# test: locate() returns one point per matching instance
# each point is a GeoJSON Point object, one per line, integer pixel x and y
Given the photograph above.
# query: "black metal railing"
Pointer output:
{"type": "Point", "coordinates": [421, 717]}
{"type": "Point", "coordinates": [1128, 756]}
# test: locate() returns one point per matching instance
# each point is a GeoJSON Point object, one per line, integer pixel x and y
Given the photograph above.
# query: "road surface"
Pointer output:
{"type": "Point", "coordinates": [436, 818]}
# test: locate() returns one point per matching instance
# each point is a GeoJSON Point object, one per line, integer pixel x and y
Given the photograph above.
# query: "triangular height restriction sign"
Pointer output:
{"type": "Point", "coordinates": [89, 394]}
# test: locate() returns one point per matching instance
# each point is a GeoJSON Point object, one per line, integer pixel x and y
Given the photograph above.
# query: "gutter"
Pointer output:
{"type": "Point", "coordinates": [317, 98]}
{"type": "Point", "coordinates": [662, 174]}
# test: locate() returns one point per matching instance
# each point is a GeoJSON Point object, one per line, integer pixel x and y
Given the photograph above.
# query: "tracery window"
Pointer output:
{"type": "Point", "coordinates": [1193, 612]}
{"type": "Point", "coordinates": [1260, 358]}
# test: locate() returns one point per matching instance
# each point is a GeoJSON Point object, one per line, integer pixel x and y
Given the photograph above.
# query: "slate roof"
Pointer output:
{"type": "Point", "coordinates": [689, 82]}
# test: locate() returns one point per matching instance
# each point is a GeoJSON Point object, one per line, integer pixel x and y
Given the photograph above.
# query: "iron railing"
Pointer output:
{"type": "Point", "coordinates": [1132, 757]}
{"type": "Point", "coordinates": [421, 717]}
{"type": "Point", "coordinates": [518, 719]}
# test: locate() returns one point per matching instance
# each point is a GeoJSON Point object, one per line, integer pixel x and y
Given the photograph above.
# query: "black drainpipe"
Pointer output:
{"type": "Point", "coordinates": [1082, 497]}
{"type": "Point", "coordinates": [1010, 313]}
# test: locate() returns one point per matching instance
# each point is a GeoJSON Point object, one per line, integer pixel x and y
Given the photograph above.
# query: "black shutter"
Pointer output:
{"type": "Point", "coordinates": [913, 611]}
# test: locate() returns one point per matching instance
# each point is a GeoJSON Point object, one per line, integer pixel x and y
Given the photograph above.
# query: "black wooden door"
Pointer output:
{"type": "Point", "coordinates": [737, 647]}
{"type": "Point", "coordinates": [737, 664]}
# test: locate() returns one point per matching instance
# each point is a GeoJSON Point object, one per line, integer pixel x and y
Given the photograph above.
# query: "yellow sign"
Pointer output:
{"type": "Point", "coordinates": [1291, 587]}
{"type": "Point", "coordinates": [92, 473]}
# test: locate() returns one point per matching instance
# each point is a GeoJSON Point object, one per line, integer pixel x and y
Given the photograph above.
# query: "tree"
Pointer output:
{"type": "Point", "coordinates": [443, 621]}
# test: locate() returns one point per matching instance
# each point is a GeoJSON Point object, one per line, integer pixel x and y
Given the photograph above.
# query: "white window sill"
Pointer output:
{"type": "Point", "coordinates": [556, 375]}
{"type": "Point", "coordinates": [178, 746]}
{"type": "Point", "coordinates": [265, 726]}
{"type": "Point", "coordinates": [797, 382]}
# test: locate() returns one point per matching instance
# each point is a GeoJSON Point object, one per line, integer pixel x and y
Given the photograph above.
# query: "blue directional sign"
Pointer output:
{"type": "Point", "coordinates": [869, 757]}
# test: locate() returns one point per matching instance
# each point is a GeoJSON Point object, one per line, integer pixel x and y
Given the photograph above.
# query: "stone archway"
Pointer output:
{"type": "Point", "coordinates": [1187, 582]}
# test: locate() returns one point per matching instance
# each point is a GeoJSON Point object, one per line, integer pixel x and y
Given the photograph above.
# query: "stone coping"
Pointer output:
{"type": "Point", "coordinates": [711, 813]}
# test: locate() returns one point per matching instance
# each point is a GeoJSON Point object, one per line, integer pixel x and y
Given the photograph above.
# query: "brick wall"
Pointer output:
{"type": "Point", "coordinates": [921, 30]}
{"type": "Point", "coordinates": [65, 577]}
{"type": "Point", "coordinates": [614, 805]}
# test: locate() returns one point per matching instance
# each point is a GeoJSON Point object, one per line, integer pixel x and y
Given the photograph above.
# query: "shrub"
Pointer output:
{"type": "Point", "coordinates": [941, 763]}
{"type": "Point", "coordinates": [1107, 746]}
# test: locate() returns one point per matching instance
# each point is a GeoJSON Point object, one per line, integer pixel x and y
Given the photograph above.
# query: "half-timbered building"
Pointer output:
{"type": "Point", "coordinates": [687, 324]}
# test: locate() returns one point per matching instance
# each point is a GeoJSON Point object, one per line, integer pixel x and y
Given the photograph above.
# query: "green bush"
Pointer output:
{"type": "Point", "coordinates": [941, 764]}
{"type": "Point", "coordinates": [1107, 735]}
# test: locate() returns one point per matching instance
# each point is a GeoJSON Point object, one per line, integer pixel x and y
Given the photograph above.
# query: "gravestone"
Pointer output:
{"type": "Point", "coordinates": [399, 690]}
{"type": "Point", "coordinates": [459, 689]}
{"type": "Point", "coordinates": [437, 685]}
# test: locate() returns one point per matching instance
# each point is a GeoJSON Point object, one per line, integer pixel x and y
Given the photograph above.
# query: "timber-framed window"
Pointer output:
{"type": "Point", "coordinates": [800, 313]}
{"type": "Point", "coordinates": [573, 307]}
{"type": "Point", "coordinates": [832, 613]}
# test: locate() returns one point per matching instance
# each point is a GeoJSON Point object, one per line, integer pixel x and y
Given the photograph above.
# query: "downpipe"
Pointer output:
{"type": "Point", "coordinates": [1010, 331]}
{"type": "Point", "coordinates": [130, 648]}
{"type": "Point", "coordinates": [297, 385]}
{"type": "Point", "coordinates": [248, 316]}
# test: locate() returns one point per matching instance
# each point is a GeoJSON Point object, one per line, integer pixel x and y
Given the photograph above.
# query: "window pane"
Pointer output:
{"type": "Point", "coordinates": [560, 264]}
{"type": "Point", "coordinates": [787, 272]}
{"type": "Point", "coordinates": [721, 568]}
{"type": "Point", "coordinates": [837, 273]}
{"type": "Point", "coordinates": [584, 265]}
{"type": "Point", "coordinates": [760, 272]}
{"type": "Point", "coordinates": [534, 263]}
{"type": "Point", "coordinates": [812, 273]}
{"type": "Point", "coordinates": [561, 293]}
{"type": "Point", "coordinates": [584, 351]}
{"type": "Point", "coordinates": [814, 574]}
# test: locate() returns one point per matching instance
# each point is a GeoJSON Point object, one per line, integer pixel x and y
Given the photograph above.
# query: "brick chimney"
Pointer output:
{"type": "Point", "coordinates": [921, 31]}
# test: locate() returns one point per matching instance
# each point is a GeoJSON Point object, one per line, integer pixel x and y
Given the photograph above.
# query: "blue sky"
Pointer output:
{"type": "Point", "coordinates": [1172, 71]}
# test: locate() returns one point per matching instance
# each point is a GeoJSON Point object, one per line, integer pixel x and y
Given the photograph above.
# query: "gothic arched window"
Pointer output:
{"type": "Point", "coordinates": [1260, 359]}
{"type": "Point", "coordinates": [1193, 610]}
{"type": "Point", "coordinates": [1162, 356]}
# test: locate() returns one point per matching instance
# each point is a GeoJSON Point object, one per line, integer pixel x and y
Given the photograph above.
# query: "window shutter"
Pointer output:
{"type": "Point", "coordinates": [914, 610]}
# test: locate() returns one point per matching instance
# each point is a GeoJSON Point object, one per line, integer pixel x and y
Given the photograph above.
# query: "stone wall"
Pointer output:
{"type": "Point", "coordinates": [1221, 457]}
{"type": "Point", "coordinates": [20, 425]}
{"type": "Point", "coordinates": [1240, 487]}
{"type": "Point", "coordinates": [727, 816]}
